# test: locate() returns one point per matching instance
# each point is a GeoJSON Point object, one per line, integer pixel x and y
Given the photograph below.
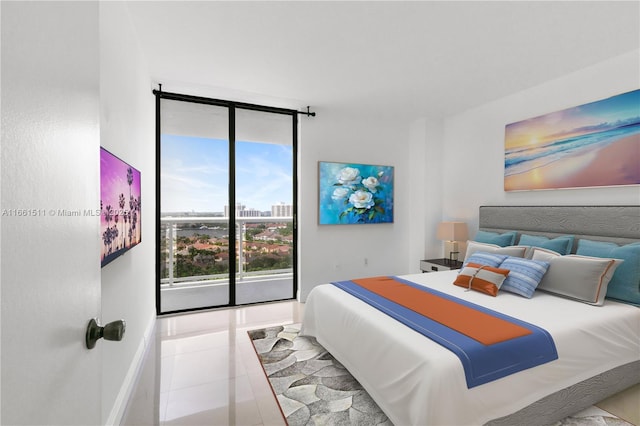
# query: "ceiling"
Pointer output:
{"type": "Point", "coordinates": [385, 60]}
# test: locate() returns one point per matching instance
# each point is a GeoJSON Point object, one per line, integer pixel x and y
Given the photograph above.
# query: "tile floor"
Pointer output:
{"type": "Point", "coordinates": [201, 369]}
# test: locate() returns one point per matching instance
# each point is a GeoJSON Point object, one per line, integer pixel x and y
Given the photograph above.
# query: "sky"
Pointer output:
{"type": "Point", "coordinates": [588, 118]}
{"type": "Point", "coordinates": [194, 174]}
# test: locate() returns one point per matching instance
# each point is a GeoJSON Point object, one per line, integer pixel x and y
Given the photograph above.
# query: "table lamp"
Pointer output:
{"type": "Point", "coordinates": [451, 233]}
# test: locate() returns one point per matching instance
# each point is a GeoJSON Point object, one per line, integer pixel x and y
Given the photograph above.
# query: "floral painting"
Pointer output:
{"type": "Point", "coordinates": [354, 193]}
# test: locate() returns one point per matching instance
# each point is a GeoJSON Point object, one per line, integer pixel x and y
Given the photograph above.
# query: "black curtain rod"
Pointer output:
{"type": "Point", "coordinates": [221, 102]}
{"type": "Point", "coordinates": [307, 112]}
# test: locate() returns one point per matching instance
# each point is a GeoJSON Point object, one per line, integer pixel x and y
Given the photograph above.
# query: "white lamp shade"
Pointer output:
{"type": "Point", "coordinates": [452, 231]}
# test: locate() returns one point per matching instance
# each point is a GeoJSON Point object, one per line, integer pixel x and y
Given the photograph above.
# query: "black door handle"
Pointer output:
{"type": "Point", "coordinates": [112, 331]}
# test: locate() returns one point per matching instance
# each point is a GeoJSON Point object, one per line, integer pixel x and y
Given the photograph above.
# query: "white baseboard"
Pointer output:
{"type": "Point", "coordinates": [128, 385]}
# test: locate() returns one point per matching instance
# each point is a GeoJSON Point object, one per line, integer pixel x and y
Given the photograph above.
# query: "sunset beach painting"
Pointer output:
{"type": "Point", "coordinates": [591, 145]}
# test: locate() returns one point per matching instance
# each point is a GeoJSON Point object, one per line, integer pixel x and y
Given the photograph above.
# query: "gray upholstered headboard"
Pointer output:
{"type": "Point", "coordinates": [618, 224]}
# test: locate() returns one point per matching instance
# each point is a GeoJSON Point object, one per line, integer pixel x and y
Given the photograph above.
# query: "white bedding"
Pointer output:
{"type": "Point", "coordinates": [418, 382]}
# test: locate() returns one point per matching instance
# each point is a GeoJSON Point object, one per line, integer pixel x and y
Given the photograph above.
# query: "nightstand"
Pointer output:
{"type": "Point", "coordinates": [434, 265]}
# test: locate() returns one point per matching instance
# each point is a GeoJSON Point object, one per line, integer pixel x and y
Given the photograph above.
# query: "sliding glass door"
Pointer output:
{"type": "Point", "coordinates": [194, 182]}
{"type": "Point", "coordinates": [226, 203]}
{"type": "Point", "coordinates": [264, 206]}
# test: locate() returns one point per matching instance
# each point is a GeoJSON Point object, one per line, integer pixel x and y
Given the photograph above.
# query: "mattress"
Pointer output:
{"type": "Point", "coordinates": [418, 382]}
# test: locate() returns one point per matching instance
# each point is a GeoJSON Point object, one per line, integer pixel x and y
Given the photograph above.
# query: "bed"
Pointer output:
{"type": "Point", "coordinates": [418, 382]}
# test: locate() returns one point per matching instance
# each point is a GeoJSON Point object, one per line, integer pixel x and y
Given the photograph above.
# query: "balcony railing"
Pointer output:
{"type": "Point", "coordinates": [204, 290]}
{"type": "Point", "coordinates": [171, 226]}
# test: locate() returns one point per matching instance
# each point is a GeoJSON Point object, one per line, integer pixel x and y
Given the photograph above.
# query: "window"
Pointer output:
{"type": "Point", "coordinates": [226, 203]}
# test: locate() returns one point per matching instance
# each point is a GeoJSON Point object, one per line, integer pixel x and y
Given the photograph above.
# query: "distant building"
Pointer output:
{"type": "Point", "coordinates": [242, 211]}
{"type": "Point", "coordinates": [248, 213]}
{"type": "Point", "coordinates": [239, 207]}
{"type": "Point", "coordinates": [282, 210]}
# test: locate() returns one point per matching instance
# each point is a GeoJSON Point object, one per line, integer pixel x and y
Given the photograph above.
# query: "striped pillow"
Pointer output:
{"type": "Point", "coordinates": [482, 278]}
{"type": "Point", "coordinates": [524, 275]}
{"type": "Point", "coordinates": [484, 258]}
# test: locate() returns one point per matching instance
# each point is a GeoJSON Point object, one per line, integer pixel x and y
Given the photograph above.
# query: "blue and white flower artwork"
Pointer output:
{"type": "Point", "coordinates": [351, 193]}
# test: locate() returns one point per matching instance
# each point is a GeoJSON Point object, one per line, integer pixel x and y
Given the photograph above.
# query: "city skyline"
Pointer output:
{"type": "Point", "coordinates": [224, 213]}
{"type": "Point", "coordinates": [194, 174]}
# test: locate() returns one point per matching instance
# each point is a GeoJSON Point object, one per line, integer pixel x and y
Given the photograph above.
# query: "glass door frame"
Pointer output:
{"type": "Point", "coordinates": [232, 106]}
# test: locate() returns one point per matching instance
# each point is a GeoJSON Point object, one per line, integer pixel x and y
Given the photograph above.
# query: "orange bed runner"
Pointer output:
{"type": "Point", "coordinates": [475, 324]}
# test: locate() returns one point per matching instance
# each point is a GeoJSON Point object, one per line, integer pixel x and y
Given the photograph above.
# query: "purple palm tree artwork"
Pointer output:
{"type": "Point", "coordinates": [120, 207]}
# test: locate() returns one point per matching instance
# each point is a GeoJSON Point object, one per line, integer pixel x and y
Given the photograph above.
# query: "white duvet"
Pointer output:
{"type": "Point", "coordinates": [418, 382]}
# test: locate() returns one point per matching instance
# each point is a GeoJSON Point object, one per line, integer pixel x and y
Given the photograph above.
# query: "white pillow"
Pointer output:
{"type": "Point", "coordinates": [582, 278]}
{"type": "Point", "coordinates": [474, 246]}
{"type": "Point", "coordinates": [541, 253]}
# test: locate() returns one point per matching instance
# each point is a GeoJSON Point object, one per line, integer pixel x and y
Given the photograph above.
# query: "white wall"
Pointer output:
{"type": "Point", "coordinates": [426, 147]}
{"type": "Point", "coordinates": [418, 155]}
{"type": "Point", "coordinates": [0, 235]}
{"type": "Point", "coordinates": [338, 252]}
{"type": "Point", "coordinates": [127, 129]}
{"type": "Point", "coordinates": [473, 144]}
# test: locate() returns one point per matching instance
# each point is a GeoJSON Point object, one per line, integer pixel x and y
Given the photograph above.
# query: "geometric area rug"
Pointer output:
{"type": "Point", "coordinates": [312, 388]}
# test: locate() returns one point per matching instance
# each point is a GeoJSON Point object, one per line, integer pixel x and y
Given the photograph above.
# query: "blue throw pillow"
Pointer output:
{"type": "Point", "coordinates": [560, 245]}
{"type": "Point", "coordinates": [625, 283]}
{"type": "Point", "coordinates": [502, 240]}
{"type": "Point", "coordinates": [524, 275]}
{"type": "Point", "coordinates": [484, 258]}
